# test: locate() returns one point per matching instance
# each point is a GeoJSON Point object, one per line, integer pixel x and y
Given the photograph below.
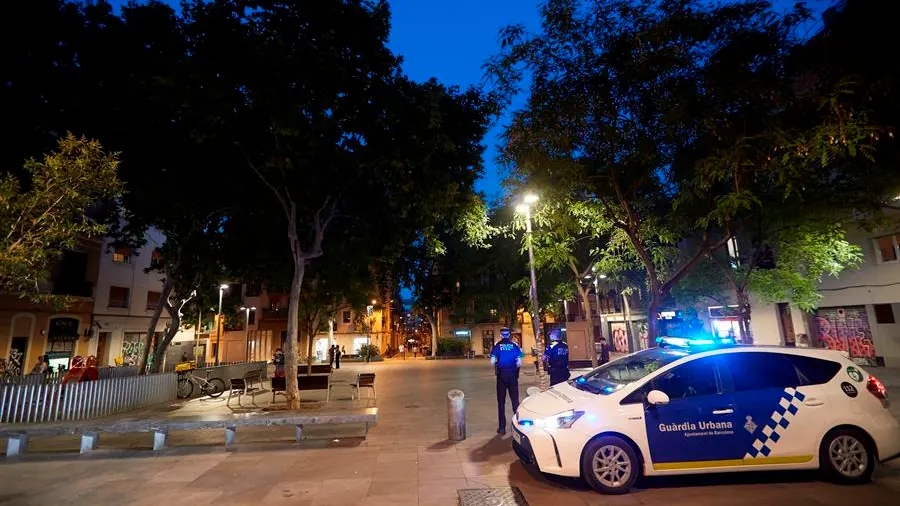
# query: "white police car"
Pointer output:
{"type": "Point", "coordinates": [697, 406]}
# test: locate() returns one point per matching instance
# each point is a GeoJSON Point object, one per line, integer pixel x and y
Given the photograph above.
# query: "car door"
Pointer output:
{"type": "Point", "coordinates": [696, 428]}
{"type": "Point", "coordinates": [780, 414]}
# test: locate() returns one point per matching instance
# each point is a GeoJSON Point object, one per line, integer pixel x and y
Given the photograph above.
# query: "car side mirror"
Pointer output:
{"type": "Point", "coordinates": [657, 398]}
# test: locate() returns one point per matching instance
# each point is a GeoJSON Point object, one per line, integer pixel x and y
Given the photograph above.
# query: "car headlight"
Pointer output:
{"type": "Point", "coordinates": [562, 420]}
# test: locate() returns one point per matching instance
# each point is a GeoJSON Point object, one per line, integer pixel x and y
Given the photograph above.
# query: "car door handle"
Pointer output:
{"type": "Point", "coordinates": [813, 401]}
{"type": "Point", "coordinates": [726, 411]}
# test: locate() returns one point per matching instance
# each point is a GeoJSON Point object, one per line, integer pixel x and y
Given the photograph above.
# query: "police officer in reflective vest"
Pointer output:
{"type": "Point", "coordinates": [557, 358]}
{"type": "Point", "coordinates": [506, 357]}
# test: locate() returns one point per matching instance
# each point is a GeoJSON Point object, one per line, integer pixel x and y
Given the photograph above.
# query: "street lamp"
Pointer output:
{"type": "Point", "coordinates": [247, 327]}
{"type": "Point", "coordinates": [219, 326]}
{"type": "Point", "coordinates": [525, 208]}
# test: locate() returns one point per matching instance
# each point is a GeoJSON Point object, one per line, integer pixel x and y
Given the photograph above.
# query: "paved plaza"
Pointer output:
{"type": "Point", "coordinates": [405, 460]}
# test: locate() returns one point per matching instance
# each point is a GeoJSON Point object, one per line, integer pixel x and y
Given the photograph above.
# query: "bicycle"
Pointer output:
{"type": "Point", "coordinates": [212, 387]}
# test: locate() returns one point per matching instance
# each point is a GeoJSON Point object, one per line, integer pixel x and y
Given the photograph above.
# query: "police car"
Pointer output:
{"type": "Point", "coordinates": [694, 406]}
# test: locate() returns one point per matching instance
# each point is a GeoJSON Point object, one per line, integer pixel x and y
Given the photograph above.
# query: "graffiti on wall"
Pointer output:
{"type": "Point", "coordinates": [132, 348]}
{"type": "Point", "coordinates": [642, 331]}
{"type": "Point", "coordinates": [846, 329]}
{"type": "Point", "coordinates": [16, 363]}
{"type": "Point", "coordinates": [619, 336]}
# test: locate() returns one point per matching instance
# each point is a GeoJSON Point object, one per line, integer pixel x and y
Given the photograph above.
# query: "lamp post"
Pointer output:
{"type": "Point", "coordinates": [247, 310]}
{"type": "Point", "coordinates": [219, 325]}
{"type": "Point", "coordinates": [525, 208]}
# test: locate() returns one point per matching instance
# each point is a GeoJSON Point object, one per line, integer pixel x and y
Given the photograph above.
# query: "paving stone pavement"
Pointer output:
{"type": "Point", "coordinates": [406, 460]}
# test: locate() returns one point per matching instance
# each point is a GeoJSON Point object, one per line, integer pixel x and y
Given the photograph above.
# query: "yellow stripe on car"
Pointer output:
{"type": "Point", "coordinates": [759, 461]}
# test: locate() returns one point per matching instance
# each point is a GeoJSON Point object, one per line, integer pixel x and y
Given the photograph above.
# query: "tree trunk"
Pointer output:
{"type": "Point", "coordinates": [586, 307]}
{"type": "Point", "coordinates": [434, 333]}
{"type": "Point", "coordinates": [160, 351]}
{"type": "Point", "coordinates": [312, 326]}
{"type": "Point", "coordinates": [292, 391]}
{"type": "Point", "coordinates": [743, 300]}
{"type": "Point", "coordinates": [154, 321]}
{"type": "Point", "coordinates": [652, 322]}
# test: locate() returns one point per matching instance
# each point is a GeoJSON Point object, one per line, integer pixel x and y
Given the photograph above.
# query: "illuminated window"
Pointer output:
{"type": "Point", "coordinates": [156, 256]}
{"type": "Point", "coordinates": [121, 256]}
{"type": "Point", "coordinates": [345, 317]}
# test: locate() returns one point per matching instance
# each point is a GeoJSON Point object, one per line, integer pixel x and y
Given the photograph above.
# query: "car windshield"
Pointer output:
{"type": "Point", "coordinates": [610, 377]}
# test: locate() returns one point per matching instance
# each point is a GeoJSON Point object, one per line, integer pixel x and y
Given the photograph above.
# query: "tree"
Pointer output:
{"type": "Point", "coordinates": [632, 105]}
{"type": "Point", "coordinates": [568, 238]}
{"type": "Point", "coordinates": [50, 209]}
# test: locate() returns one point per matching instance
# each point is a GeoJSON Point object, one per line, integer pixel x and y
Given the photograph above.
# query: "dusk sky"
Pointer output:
{"type": "Point", "coordinates": [451, 39]}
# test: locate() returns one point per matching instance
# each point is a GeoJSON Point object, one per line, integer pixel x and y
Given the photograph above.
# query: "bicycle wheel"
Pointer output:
{"type": "Point", "coordinates": [216, 387]}
{"type": "Point", "coordinates": [185, 388]}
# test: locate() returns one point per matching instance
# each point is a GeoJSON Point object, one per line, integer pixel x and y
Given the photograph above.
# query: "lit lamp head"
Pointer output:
{"type": "Point", "coordinates": [223, 286]}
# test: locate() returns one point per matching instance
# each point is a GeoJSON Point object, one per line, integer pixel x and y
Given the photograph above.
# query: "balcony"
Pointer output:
{"type": "Point", "coordinates": [74, 288]}
{"type": "Point", "coordinates": [279, 313]}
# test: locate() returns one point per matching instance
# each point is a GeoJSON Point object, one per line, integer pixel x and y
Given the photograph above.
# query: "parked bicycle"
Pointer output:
{"type": "Point", "coordinates": [212, 387]}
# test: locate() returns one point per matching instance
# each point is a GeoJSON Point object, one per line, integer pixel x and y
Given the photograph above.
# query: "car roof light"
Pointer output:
{"type": "Point", "coordinates": [693, 342]}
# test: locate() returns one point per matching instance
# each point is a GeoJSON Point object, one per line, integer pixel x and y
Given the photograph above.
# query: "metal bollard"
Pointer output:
{"type": "Point", "coordinates": [456, 415]}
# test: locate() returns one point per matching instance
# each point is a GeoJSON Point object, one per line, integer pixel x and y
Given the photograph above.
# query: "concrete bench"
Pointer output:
{"type": "Point", "coordinates": [17, 443]}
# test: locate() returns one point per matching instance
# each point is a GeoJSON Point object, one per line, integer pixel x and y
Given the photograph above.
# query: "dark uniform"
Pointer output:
{"type": "Point", "coordinates": [557, 358]}
{"type": "Point", "coordinates": [507, 358]}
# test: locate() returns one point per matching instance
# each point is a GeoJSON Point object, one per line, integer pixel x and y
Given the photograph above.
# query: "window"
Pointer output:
{"type": "Point", "coordinates": [156, 256]}
{"type": "Point", "coordinates": [814, 371]}
{"type": "Point", "coordinates": [734, 253]}
{"type": "Point", "coordinates": [152, 299]}
{"type": "Point", "coordinates": [886, 248]}
{"type": "Point", "coordinates": [118, 296]}
{"type": "Point", "coordinates": [695, 378]}
{"type": "Point", "coordinates": [121, 256]}
{"type": "Point", "coordinates": [345, 316]}
{"type": "Point", "coordinates": [884, 313]}
{"type": "Point", "coordinates": [253, 290]}
{"type": "Point", "coordinates": [252, 318]}
{"type": "Point", "coordinates": [760, 370]}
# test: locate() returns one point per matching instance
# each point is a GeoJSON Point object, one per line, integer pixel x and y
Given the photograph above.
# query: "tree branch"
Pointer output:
{"type": "Point", "coordinates": [278, 195]}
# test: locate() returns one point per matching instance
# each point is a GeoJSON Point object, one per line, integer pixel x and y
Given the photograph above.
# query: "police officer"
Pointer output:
{"type": "Point", "coordinates": [557, 358]}
{"type": "Point", "coordinates": [506, 356]}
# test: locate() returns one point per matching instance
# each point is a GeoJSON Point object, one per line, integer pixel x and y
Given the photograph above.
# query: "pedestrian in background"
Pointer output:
{"type": "Point", "coordinates": [506, 356]}
{"type": "Point", "coordinates": [278, 360]}
{"type": "Point", "coordinates": [556, 356]}
{"type": "Point", "coordinates": [331, 355]}
{"type": "Point", "coordinates": [604, 351]}
{"type": "Point", "coordinates": [337, 357]}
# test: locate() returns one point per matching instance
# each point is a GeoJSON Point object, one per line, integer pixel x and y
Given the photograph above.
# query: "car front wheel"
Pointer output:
{"type": "Point", "coordinates": [610, 465]}
{"type": "Point", "coordinates": [846, 456]}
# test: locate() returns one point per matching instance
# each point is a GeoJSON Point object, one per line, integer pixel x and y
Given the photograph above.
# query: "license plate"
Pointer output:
{"type": "Point", "coordinates": [517, 437]}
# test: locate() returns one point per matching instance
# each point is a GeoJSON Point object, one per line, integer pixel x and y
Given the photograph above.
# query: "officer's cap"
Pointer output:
{"type": "Point", "coordinates": [504, 332]}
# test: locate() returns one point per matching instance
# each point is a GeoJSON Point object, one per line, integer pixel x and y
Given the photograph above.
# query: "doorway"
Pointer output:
{"type": "Point", "coordinates": [103, 349]}
{"type": "Point", "coordinates": [16, 363]}
{"type": "Point", "coordinates": [787, 324]}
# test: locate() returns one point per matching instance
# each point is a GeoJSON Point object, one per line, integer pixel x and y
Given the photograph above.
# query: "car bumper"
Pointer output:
{"type": "Point", "coordinates": [538, 448]}
{"type": "Point", "coordinates": [886, 434]}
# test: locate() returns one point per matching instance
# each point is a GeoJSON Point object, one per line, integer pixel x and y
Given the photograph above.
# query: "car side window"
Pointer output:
{"type": "Point", "coordinates": [814, 371]}
{"type": "Point", "coordinates": [759, 371]}
{"type": "Point", "coordinates": [693, 379]}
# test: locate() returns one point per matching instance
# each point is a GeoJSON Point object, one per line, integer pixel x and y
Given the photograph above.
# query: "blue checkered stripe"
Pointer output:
{"type": "Point", "coordinates": [766, 439]}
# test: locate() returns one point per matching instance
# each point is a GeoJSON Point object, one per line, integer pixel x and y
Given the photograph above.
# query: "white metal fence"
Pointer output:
{"type": "Point", "coordinates": [36, 403]}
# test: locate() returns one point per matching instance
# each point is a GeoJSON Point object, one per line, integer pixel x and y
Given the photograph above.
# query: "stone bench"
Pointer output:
{"type": "Point", "coordinates": [90, 431]}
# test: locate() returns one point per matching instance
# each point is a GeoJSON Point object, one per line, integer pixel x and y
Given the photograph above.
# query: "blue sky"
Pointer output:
{"type": "Point", "coordinates": [451, 40]}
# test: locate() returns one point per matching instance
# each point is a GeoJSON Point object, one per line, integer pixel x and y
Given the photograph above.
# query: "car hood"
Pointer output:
{"type": "Point", "coordinates": [561, 397]}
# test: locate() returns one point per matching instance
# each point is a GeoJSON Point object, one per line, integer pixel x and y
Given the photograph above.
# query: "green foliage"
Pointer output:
{"type": "Point", "coordinates": [368, 351]}
{"type": "Point", "coordinates": [49, 211]}
{"type": "Point", "coordinates": [805, 255]}
{"type": "Point", "coordinates": [449, 347]}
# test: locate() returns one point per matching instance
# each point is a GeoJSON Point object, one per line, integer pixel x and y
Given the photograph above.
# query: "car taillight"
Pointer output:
{"type": "Point", "coordinates": [877, 388]}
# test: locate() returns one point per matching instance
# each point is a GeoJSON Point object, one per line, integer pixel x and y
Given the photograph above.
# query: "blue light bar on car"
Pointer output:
{"type": "Point", "coordinates": [693, 342]}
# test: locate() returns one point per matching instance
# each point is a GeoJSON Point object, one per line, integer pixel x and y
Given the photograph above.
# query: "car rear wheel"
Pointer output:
{"type": "Point", "coordinates": [610, 465]}
{"type": "Point", "coordinates": [847, 456]}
